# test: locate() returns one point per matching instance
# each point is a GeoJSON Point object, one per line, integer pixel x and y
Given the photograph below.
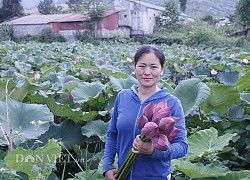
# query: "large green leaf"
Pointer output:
{"type": "Point", "coordinates": [28, 121]}
{"type": "Point", "coordinates": [244, 82]}
{"type": "Point", "coordinates": [228, 78]}
{"type": "Point", "coordinates": [67, 132]}
{"type": "Point", "coordinates": [63, 110]}
{"type": "Point", "coordinates": [192, 93]}
{"type": "Point", "coordinates": [235, 175]}
{"type": "Point", "coordinates": [236, 112]}
{"type": "Point", "coordinates": [91, 175]}
{"type": "Point", "coordinates": [33, 162]}
{"type": "Point", "coordinates": [221, 98]}
{"type": "Point", "coordinates": [110, 70]}
{"type": "Point", "coordinates": [207, 141]}
{"type": "Point", "coordinates": [198, 170]}
{"type": "Point", "coordinates": [22, 88]}
{"type": "Point", "coordinates": [119, 84]}
{"type": "Point", "coordinates": [245, 97]}
{"type": "Point", "coordinates": [201, 69]}
{"type": "Point", "coordinates": [90, 115]}
{"type": "Point", "coordinates": [16, 90]}
{"type": "Point", "coordinates": [7, 173]}
{"type": "Point", "coordinates": [85, 91]}
{"type": "Point", "coordinates": [95, 128]}
{"type": "Point", "coordinates": [11, 86]}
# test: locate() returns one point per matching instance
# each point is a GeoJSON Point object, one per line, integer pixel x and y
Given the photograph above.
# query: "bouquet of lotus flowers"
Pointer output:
{"type": "Point", "coordinates": [156, 126]}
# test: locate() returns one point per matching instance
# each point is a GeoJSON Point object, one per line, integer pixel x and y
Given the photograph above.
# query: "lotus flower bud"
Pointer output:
{"type": "Point", "coordinates": [232, 56]}
{"type": "Point", "coordinates": [166, 125]}
{"type": "Point", "coordinates": [37, 76]}
{"type": "Point", "coordinates": [150, 129]}
{"type": "Point", "coordinates": [91, 73]}
{"type": "Point", "coordinates": [156, 109]}
{"type": "Point", "coordinates": [173, 134]}
{"type": "Point", "coordinates": [162, 104]}
{"type": "Point", "coordinates": [160, 142]}
{"type": "Point", "coordinates": [182, 58]}
{"type": "Point", "coordinates": [148, 111]}
{"type": "Point", "coordinates": [71, 97]}
{"type": "Point", "coordinates": [141, 121]}
{"type": "Point", "coordinates": [176, 119]}
{"type": "Point", "coordinates": [214, 72]}
{"type": "Point", "coordinates": [161, 114]}
{"type": "Point", "coordinates": [78, 57]}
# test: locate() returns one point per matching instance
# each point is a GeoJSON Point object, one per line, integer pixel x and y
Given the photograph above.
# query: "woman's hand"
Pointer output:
{"type": "Point", "coordinates": [110, 174]}
{"type": "Point", "coordinates": [141, 147]}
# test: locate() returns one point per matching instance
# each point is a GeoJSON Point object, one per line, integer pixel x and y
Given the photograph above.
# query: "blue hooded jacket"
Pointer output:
{"type": "Point", "coordinates": [123, 130]}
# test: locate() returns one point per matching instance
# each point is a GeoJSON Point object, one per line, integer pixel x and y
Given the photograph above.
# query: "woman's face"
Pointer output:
{"type": "Point", "coordinates": [148, 70]}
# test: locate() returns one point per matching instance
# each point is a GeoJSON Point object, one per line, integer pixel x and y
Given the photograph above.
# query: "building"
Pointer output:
{"type": "Point", "coordinates": [67, 25]}
{"type": "Point", "coordinates": [124, 18]}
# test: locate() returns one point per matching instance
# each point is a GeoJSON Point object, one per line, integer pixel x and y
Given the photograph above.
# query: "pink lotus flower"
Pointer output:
{"type": "Point", "coordinates": [160, 142]}
{"type": "Point", "coordinates": [166, 125]}
{"type": "Point", "coordinates": [37, 76]}
{"type": "Point", "coordinates": [161, 114]}
{"type": "Point", "coordinates": [141, 121]}
{"type": "Point", "coordinates": [156, 125]}
{"type": "Point", "coordinates": [214, 72]}
{"type": "Point", "coordinates": [104, 58]}
{"type": "Point", "coordinates": [174, 79]}
{"type": "Point", "coordinates": [162, 105]}
{"type": "Point", "coordinates": [91, 73]}
{"type": "Point", "coordinates": [77, 57]}
{"type": "Point", "coordinates": [182, 58]}
{"type": "Point", "coordinates": [148, 111]}
{"type": "Point", "coordinates": [173, 134]}
{"type": "Point", "coordinates": [232, 56]}
{"type": "Point", "coordinates": [150, 129]}
{"type": "Point", "coordinates": [71, 97]}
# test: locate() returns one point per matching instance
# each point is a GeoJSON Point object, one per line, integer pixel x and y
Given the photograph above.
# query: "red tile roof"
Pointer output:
{"type": "Point", "coordinates": [46, 19]}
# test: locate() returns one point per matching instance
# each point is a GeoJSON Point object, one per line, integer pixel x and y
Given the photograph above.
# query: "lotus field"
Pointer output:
{"type": "Point", "coordinates": [56, 101]}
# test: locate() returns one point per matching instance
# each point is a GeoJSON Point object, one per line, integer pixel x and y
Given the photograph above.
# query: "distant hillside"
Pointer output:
{"type": "Point", "coordinates": [28, 5]}
{"type": "Point", "coordinates": [195, 8]}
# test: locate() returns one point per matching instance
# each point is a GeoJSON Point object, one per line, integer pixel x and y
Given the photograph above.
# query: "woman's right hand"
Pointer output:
{"type": "Point", "coordinates": [110, 174]}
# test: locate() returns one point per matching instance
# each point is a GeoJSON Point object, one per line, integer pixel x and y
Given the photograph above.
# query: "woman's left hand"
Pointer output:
{"type": "Point", "coordinates": [141, 147]}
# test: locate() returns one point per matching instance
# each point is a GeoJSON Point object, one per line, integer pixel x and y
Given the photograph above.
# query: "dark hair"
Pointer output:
{"type": "Point", "coordinates": [148, 49]}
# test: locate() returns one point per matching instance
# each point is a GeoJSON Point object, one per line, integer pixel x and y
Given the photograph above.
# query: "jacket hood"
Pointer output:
{"type": "Point", "coordinates": [162, 93]}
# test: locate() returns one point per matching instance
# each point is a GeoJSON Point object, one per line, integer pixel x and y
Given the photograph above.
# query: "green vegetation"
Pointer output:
{"type": "Point", "coordinates": [242, 12]}
{"type": "Point", "coordinates": [56, 100]}
{"type": "Point", "coordinates": [6, 32]}
{"type": "Point", "coordinates": [96, 10]}
{"type": "Point", "coordinates": [65, 91]}
{"type": "Point", "coordinates": [10, 8]}
{"type": "Point", "coordinates": [169, 20]}
{"type": "Point", "coordinates": [48, 7]}
{"type": "Point", "coordinates": [75, 5]}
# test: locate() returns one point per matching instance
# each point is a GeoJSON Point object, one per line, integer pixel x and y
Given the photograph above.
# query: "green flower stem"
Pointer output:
{"type": "Point", "coordinates": [129, 162]}
{"type": "Point", "coordinates": [129, 165]}
{"type": "Point", "coordinates": [123, 167]}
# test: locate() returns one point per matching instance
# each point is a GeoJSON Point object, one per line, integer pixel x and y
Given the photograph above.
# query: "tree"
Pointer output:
{"type": "Point", "coordinates": [183, 5]}
{"type": "Point", "coordinates": [48, 7]}
{"type": "Point", "coordinates": [169, 19]}
{"type": "Point", "coordinates": [10, 8]}
{"type": "Point", "coordinates": [75, 5]}
{"type": "Point", "coordinates": [209, 19]}
{"type": "Point", "coordinates": [242, 12]}
{"type": "Point", "coordinates": [96, 11]}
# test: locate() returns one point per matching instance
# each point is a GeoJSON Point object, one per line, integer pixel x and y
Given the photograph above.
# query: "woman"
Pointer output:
{"type": "Point", "coordinates": [122, 135]}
